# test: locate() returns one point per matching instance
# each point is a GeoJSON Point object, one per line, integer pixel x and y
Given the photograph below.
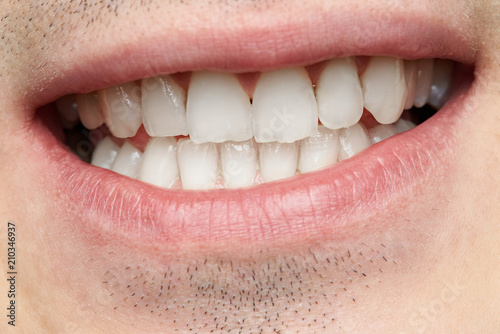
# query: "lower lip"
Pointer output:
{"type": "Point", "coordinates": [323, 204]}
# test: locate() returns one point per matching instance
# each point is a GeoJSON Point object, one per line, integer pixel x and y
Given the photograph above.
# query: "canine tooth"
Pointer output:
{"type": "Point", "coordinates": [284, 106]}
{"type": "Point", "coordinates": [339, 94]}
{"type": "Point", "coordinates": [278, 160]}
{"type": "Point", "coordinates": [424, 81]}
{"type": "Point", "coordinates": [403, 125]}
{"type": "Point", "coordinates": [198, 164]}
{"type": "Point", "coordinates": [239, 162]}
{"type": "Point", "coordinates": [68, 111]}
{"type": "Point", "coordinates": [159, 162]}
{"type": "Point", "coordinates": [105, 153]}
{"type": "Point", "coordinates": [88, 109]}
{"type": "Point", "coordinates": [163, 107]}
{"type": "Point", "coordinates": [128, 161]}
{"type": "Point", "coordinates": [218, 109]}
{"type": "Point", "coordinates": [121, 108]}
{"type": "Point", "coordinates": [411, 74]}
{"type": "Point", "coordinates": [384, 88]}
{"type": "Point", "coordinates": [319, 150]}
{"type": "Point", "coordinates": [441, 82]}
{"type": "Point", "coordinates": [353, 140]}
{"type": "Point", "coordinates": [381, 132]}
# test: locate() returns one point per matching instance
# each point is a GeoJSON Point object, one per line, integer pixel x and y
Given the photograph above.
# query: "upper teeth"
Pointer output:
{"type": "Point", "coordinates": [121, 108]}
{"type": "Point", "coordinates": [218, 109]}
{"type": "Point", "coordinates": [340, 99]}
{"type": "Point", "coordinates": [283, 110]}
{"type": "Point", "coordinates": [284, 107]}
{"type": "Point", "coordinates": [163, 107]}
{"type": "Point", "coordinates": [384, 89]}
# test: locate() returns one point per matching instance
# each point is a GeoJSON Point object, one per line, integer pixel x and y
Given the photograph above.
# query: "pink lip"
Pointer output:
{"type": "Point", "coordinates": [317, 205]}
{"type": "Point", "coordinates": [243, 47]}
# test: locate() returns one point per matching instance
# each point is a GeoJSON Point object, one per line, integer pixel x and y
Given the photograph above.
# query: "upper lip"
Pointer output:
{"type": "Point", "coordinates": [255, 45]}
{"type": "Point", "coordinates": [315, 204]}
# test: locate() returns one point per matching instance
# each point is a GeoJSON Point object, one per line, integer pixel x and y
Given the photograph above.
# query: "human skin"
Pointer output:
{"type": "Point", "coordinates": [421, 258]}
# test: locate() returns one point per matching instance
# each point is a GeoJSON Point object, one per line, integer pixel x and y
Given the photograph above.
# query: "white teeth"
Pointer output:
{"type": "Point", "coordinates": [411, 75]}
{"type": "Point", "coordinates": [320, 150]}
{"type": "Point", "coordinates": [384, 88]}
{"type": "Point", "coordinates": [278, 160]}
{"type": "Point", "coordinates": [105, 153]}
{"type": "Point", "coordinates": [163, 107]}
{"type": "Point", "coordinates": [403, 125]}
{"type": "Point", "coordinates": [198, 164]}
{"type": "Point", "coordinates": [284, 106]}
{"type": "Point", "coordinates": [218, 109]}
{"type": "Point", "coordinates": [128, 161]}
{"type": "Point", "coordinates": [68, 110]}
{"type": "Point", "coordinates": [339, 94]}
{"type": "Point", "coordinates": [424, 81]}
{"type": "Point", "coordinates": [239, 162]}
{"type": "Point", "coordinates": [121, 108]}
{"type": "Point", "coordinates": [441, 82]}
{"type": "Point", "coordinates": [381, 132]}
{"type": "Point", "coordinates": [88, 109]}
{"type": "Point", "coordinates": [233, 144]}
{"type": "Point", "coordinates": [353, 140]}
{"type": "Point", "coordinates": [159, 162]}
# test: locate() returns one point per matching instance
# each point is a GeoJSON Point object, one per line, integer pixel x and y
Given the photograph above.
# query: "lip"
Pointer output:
{"type": "Point", "coordinates": [410, 32]}
{"type": "Point", "coordinates": [312, 206]}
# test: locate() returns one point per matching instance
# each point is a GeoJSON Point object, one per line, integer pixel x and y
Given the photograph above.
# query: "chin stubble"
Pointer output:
{"type": "Point", "coordinates": [283, 294]}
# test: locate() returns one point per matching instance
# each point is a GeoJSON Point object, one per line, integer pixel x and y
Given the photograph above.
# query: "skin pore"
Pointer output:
{"type": "Point", "coordinates": [424, 259]}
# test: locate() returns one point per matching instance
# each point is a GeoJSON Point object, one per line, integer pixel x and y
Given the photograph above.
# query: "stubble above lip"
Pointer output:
{"type": "Point", "coordinates": [92, 47]}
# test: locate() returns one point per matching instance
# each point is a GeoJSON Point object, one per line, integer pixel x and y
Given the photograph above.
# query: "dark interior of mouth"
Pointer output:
{"type": "Point", "coordinates": [234, 154]}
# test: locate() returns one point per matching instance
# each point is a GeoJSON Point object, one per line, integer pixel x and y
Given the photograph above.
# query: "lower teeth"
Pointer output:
{"type": "Point", "coordinates": [169, 163]}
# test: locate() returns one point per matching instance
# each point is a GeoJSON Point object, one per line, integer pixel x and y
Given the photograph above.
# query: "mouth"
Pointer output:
{"type": "Point", "coordinates": [230, 149]}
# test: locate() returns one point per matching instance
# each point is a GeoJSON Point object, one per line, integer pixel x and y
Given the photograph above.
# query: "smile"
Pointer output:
{"type": "Point", "coordinates": [233, 131]}
{"type": "Point", "coordinates": [219, 148]}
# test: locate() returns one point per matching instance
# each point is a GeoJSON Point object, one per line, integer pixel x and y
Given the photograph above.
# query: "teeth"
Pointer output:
{"type": "Point", "coordinates": [402, 125]}
{"type": "Point", "coordinates": [105, 153]}
{"type": "Point", "coordinates": [320, 150]}
{"type": "Point", "coordinates": [411, 75]}
{"type": "Point", "coordinates": [353, 140]}
{"type": "Point", "coordinates": [88, 109]}
{"type": "Point", "coordinates": [218, 109]}
{"type": "Point", "coordinates": [121, 108]}
{"type": "Point", "coordinates": [239, 161]}
{"type": "Point", "coordinates": [217, 114]}
{"type": "Point", "coordinates": [381, 132]}
{"type": "Point", "coordinates": [128, 161]}
{"type": "Point", "coordinates": [339, 95]}
{"type": "Point", "coordinates": [284, 106]}
{"type": "Point", "coordinates": [384, 88]}
{"type": "Point", "coordinates": [163, 107]}
{"type": "Point", "coordinates": [441, 82]}
{"type": "Point", "coordinates": [159, 162]}
{"type": "Point", "coordinates": [68, 111]}
{"type": "Point", "coordinates": [278, 160]}
{"type": "Point", "coordinates": [198, 164]}
{"type": "Point", "coordinates": [424, 81]}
